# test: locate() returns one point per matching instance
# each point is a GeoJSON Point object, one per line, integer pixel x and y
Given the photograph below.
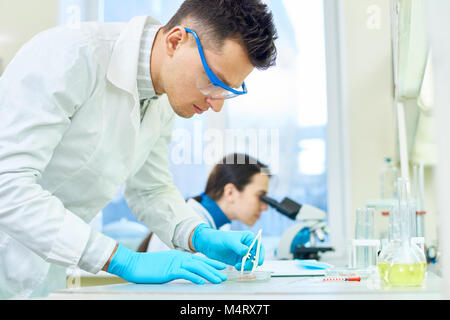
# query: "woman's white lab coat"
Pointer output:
{"type": "Point", "coordinates": [70, 136]}
{"type": "Point", "coordinates": [155, 244]}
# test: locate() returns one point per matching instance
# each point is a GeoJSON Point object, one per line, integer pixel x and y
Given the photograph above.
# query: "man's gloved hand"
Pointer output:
{"type": "Point", "coordinates": [164, 266]}
{"type": "Point", "coordinates": [226, 246]}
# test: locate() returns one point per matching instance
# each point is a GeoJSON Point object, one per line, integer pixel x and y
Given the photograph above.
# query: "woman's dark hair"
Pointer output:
{"type": "Point", "coordinates": [235, 168]}
{"type": "Point", "coordinates": [247, 21]}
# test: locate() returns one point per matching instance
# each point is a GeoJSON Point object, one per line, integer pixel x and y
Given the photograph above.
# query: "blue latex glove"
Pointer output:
{"type": "Point", "coordinates": [164, 266]}
{"type": "Point", "coordinates": [226, 246]}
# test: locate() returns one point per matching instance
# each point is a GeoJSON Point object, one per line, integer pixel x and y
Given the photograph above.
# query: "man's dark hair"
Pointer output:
{"type": "Point", "coordinates": [248, 21]}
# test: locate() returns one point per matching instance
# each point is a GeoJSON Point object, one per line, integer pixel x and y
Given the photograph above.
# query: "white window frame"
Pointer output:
{"type": "Point", "coordinates": [338, 142]}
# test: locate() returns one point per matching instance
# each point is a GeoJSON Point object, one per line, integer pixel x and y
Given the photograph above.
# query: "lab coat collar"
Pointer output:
{"type": "Point", "coordinates": [215, 211]}
{"type": "Point", "coordinates": [122, 69]}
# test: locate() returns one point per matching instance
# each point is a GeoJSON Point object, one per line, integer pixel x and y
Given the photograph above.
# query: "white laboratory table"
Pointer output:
{"type": "Point", "coordinates": [277, 288]}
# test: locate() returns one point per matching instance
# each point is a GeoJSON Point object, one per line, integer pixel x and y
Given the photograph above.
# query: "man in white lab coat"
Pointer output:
{"type": "Point", "coordinates": [86, 110]}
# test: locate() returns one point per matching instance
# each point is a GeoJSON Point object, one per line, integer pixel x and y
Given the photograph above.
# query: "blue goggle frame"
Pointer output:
{"type": "Point", "coordinates": [212, 77]}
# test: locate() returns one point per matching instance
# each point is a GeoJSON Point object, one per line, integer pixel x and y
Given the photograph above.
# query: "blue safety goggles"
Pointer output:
{"type": "Point", "coordinates": [214, 88]}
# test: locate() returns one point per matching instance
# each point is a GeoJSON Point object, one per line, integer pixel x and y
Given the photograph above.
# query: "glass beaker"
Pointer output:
{"type": "Point", "coordinates": [402, 262]}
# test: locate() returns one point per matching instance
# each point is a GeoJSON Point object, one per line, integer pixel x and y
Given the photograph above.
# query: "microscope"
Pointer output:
{"type": "Point", "coordinates": [300, 240]}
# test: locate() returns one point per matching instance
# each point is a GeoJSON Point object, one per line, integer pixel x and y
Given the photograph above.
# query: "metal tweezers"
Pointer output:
{"type": "Point", "coordinates": [255, 260]}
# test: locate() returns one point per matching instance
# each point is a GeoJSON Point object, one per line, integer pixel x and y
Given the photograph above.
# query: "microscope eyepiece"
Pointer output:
{"type": "Point", "coordinates": [287, 207]}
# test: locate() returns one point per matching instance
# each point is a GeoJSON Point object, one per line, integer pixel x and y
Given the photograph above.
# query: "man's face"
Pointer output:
{"type": "Point", "coordinates": [185, 69]}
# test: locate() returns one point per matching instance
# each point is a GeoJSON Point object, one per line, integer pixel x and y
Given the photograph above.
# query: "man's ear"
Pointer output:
{"type": "Point", "coordinates": [176, 37]}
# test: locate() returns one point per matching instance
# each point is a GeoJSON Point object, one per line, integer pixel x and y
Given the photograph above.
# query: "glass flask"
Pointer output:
{"type": "Point", "coordinates": [402, 262]}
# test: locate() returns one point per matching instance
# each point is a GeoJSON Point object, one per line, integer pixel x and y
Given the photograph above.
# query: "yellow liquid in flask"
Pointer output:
{"type": "Point", "coordinates": [402, 274]}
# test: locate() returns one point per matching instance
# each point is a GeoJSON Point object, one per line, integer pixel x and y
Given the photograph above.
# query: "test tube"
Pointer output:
{"type": "Point", "coordinates": [394, 224]}
{"type": "Point", "coordinates": [418, 172]}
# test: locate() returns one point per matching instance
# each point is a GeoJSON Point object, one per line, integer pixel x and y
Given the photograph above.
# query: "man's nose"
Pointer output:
{"type": "Point", "coordinates": [216, 104]}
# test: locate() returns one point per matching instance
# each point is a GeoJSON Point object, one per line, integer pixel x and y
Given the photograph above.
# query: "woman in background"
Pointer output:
{"type": "Point", "coordinates": [233, 192]}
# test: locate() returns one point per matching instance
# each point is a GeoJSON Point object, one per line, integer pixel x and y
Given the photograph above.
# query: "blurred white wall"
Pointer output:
{"type": "Point", "coordinates": [369, 91]}
{"type": "Point", "coordinates": [370, 100]}
{"type": "Point", "coordinates": [439, 27]}
{"type": "Point", "coordinates": [20, 20]}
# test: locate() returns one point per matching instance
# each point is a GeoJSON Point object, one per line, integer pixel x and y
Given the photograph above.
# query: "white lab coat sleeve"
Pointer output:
{"type": "Point", "coordinates": [42, 88]}
{"type": "Point", "coordinates": [156, 201]}
{"type": "Point", "coordinates": [183, 232]}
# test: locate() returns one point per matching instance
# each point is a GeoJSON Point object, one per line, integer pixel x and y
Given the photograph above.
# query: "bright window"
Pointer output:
{"type": "Point", "coordinates": [292, 99]}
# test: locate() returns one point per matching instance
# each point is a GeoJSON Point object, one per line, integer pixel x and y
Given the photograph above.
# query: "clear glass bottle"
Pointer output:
{"type": "Point", "coordinates": [402, 262]}
{"type": "Point", "coordinates": [388, 180]}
